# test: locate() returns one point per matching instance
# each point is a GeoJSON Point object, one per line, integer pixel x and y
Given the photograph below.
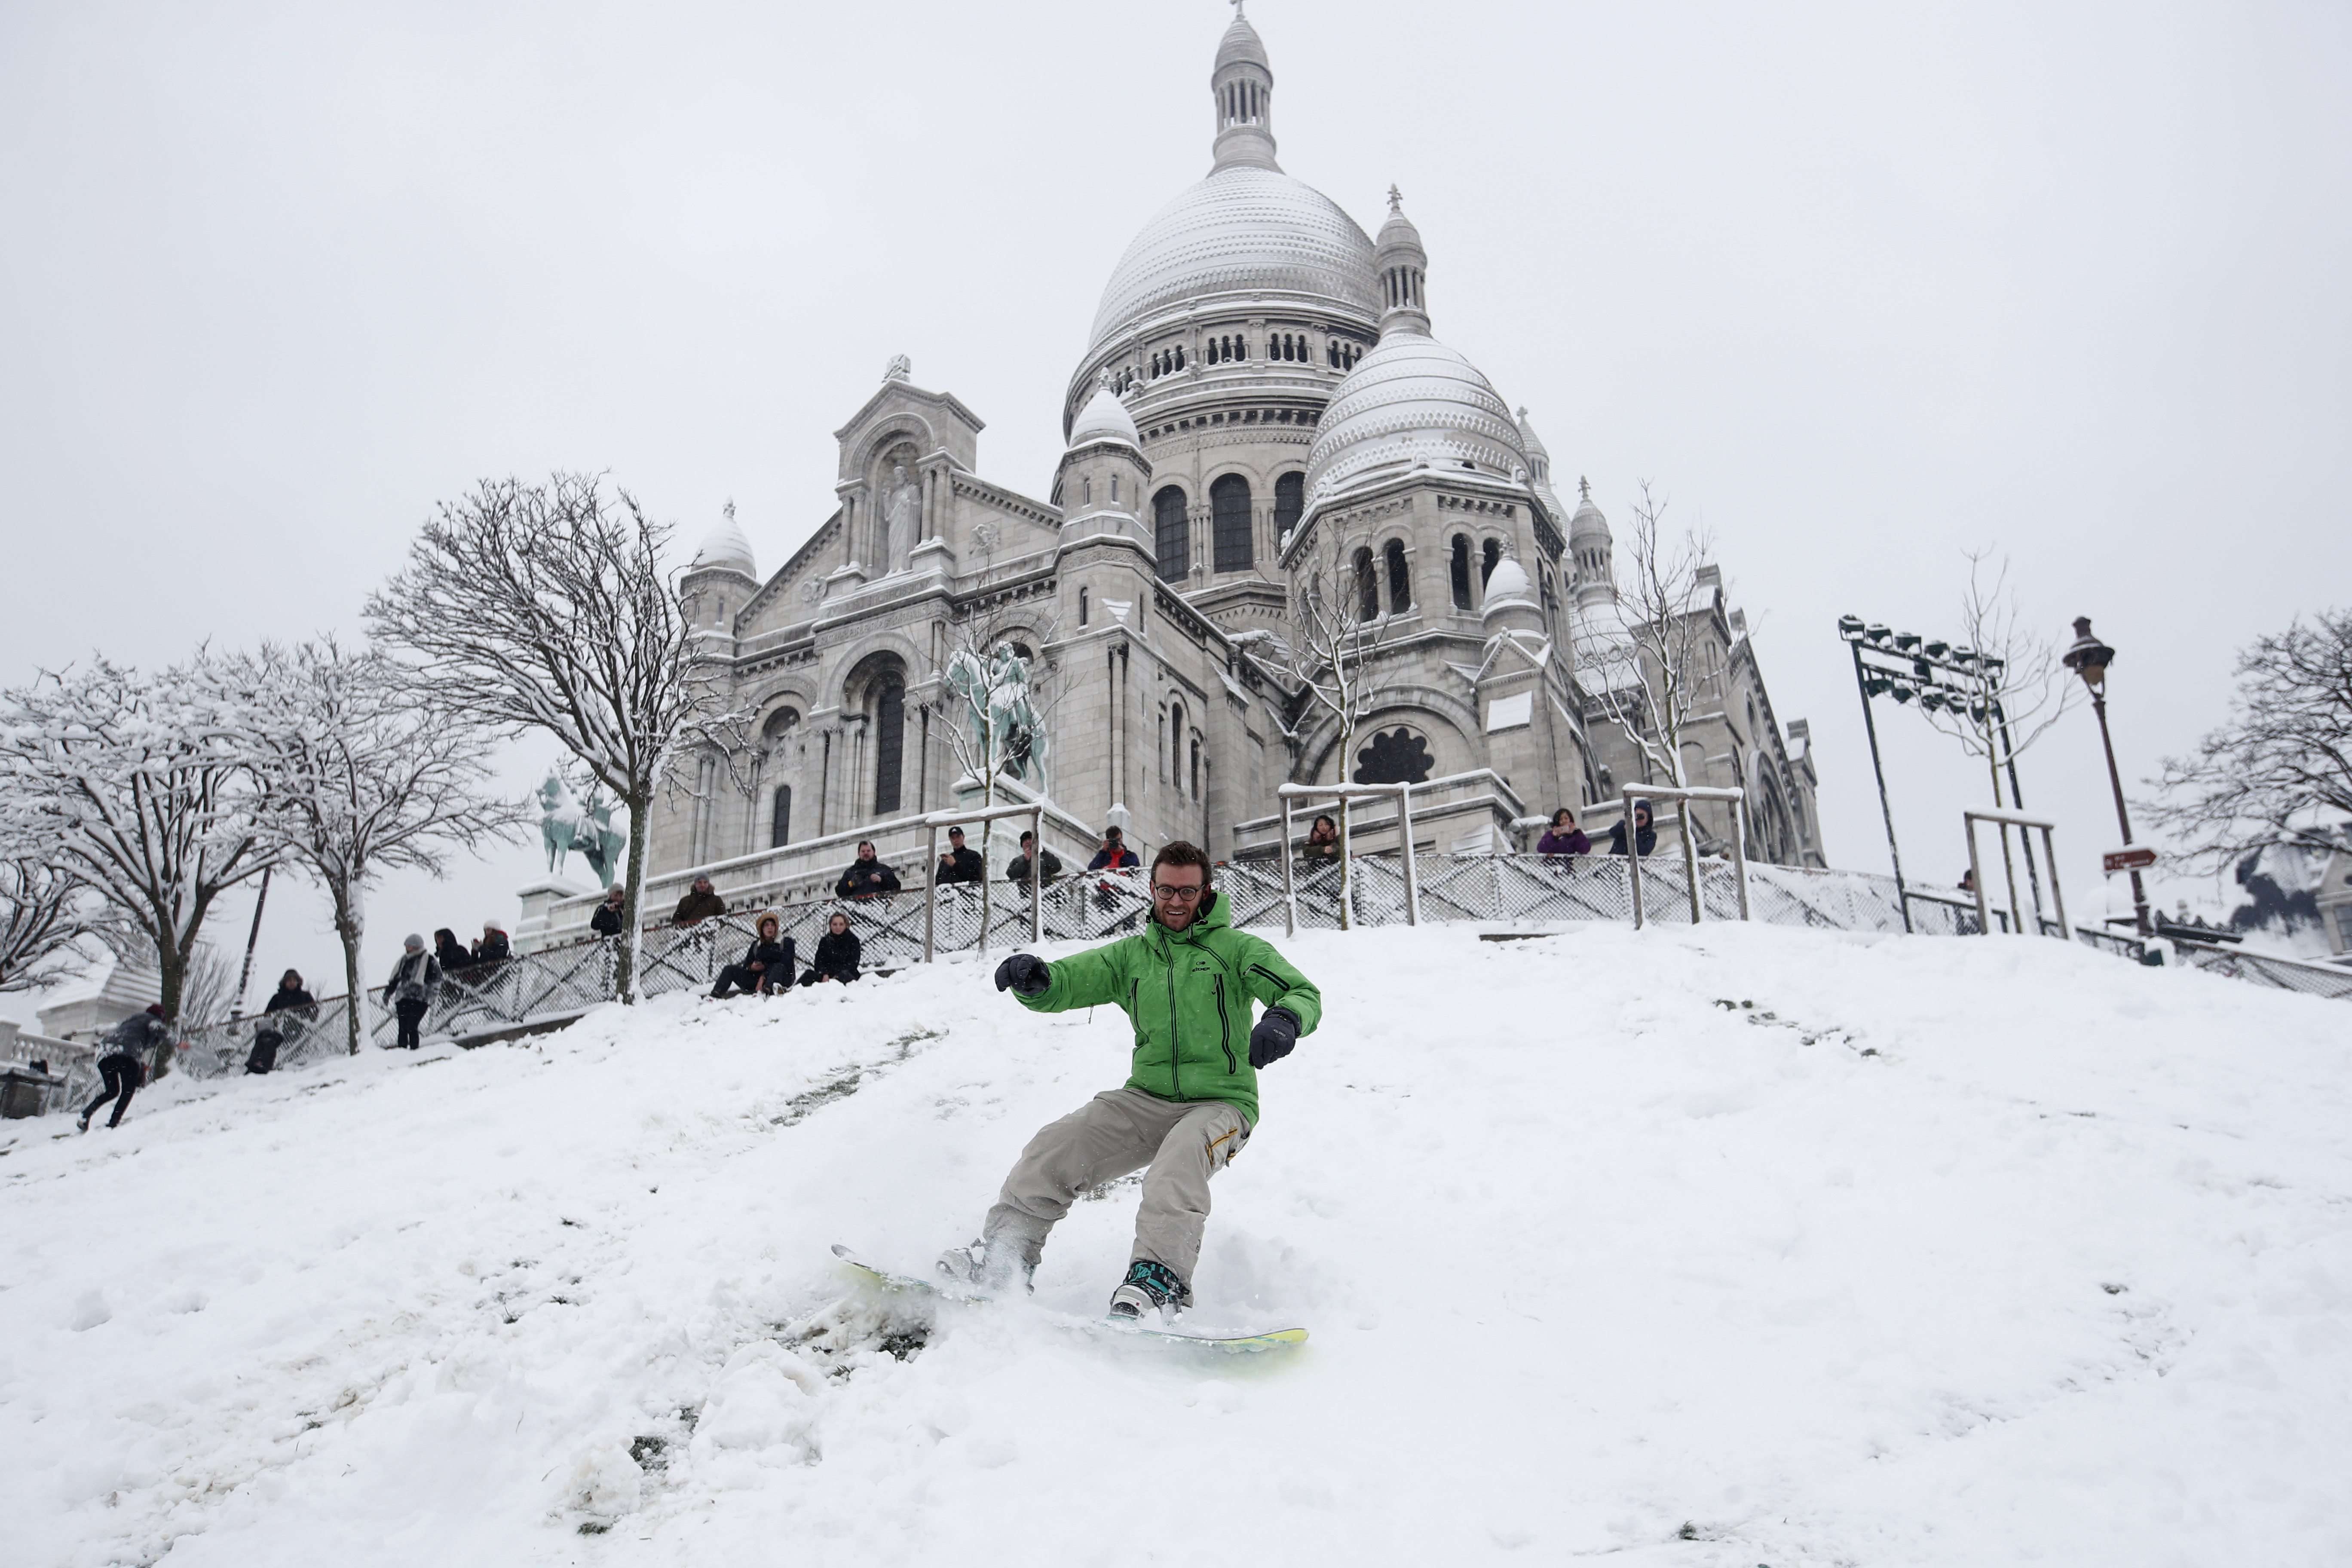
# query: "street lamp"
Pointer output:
{"type": "Point", "coordinates": [2089, 658]}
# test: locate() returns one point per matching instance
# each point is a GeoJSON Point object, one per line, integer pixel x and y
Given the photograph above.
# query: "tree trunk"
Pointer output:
{"type": "Point", "coordinates": [1346, 841]}
{"type": "Point", "coordinates": [171, 974]}
{"type": "Point", "coordinates": [347, 926]}
{"type": "Point", "coordinates": [2008, 862]}
{"type": "Point", "coordinates": [624, 966]}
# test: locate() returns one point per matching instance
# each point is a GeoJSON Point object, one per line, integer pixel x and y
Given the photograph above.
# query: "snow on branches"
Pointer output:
{"type": "Point", "coordinates": [361, 770]}
{"type": "Point", "coordinates": [549, 608]}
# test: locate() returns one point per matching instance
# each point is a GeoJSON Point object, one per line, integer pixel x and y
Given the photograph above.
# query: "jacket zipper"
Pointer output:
{"type": "Point", "coordinates": [1175, 1039]}
{"type": "Point", "coordinates": [1226, 1028]}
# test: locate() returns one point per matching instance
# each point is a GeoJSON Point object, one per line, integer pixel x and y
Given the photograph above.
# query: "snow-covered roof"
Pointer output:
{"type": "Point", "coordinates": [726, 549]}
{"type": "Point", "coordinates": [1105, 418]}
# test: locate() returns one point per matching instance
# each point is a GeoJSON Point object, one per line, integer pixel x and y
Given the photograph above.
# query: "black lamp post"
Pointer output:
{"type": "Point", "coordinates": [2089, 658]}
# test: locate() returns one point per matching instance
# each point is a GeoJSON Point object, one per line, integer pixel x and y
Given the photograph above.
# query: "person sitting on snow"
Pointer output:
{"type": "Point", "coordinates": [767, 965]}
{"type": "Point", "coordinates": [837, 953]}
{"type": "Point", "coordinates": [289, 993]}
{"type": "Point", "coordinates": [1189, 1104]}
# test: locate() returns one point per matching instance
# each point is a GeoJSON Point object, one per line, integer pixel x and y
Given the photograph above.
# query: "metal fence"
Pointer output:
{"type": "Point", "coordinates": [307, 1035]}
{"type": "Point", "coordinates": [2262, 969]}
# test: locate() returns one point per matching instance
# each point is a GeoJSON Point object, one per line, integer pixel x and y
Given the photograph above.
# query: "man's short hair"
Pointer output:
{"type": "Point", "coordinates": [1026, 837]}
{"type": "Point", "coordinates": [866, 844]}
{"type": "Point", "coordinates": [1114, 835]}
{"type": "Point", "coordinates": [1179, 853]}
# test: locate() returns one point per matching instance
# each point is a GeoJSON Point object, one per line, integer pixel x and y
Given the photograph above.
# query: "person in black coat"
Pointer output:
{"type": "Point", "coordinates": [959, 864]}
{"type": "Point", "coordinates": [269, 1037]}
{"type": "Point", "coordinates": [492, 948]}
{"type": "Point", "coordinates": [122, 1065]}
{"type": "Point", "coordinates": [1017, 870]}
{"type": "Point", "coordinates": [767, 965]}
{"type": "Point", "coordinates": [449, 954]}
{"type": "Point", "coordinates": [837, 953]}
{"type": "Point", "coordinates": [409, 993]}
{"type": "Point", "coordinates": [606, 919]}
{"type": "Point", "coordinates": [866, 877]}
{"type": "Point", "coordinates": [1646, 838]}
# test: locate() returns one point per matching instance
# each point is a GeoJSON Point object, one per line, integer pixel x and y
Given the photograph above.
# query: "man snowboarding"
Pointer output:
{"type": "Point", "coordinates": [1190, 1104]}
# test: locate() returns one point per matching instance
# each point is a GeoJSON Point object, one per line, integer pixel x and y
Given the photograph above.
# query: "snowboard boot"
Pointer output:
{"type": "Point", "coordinates": [1149, 1285]}
{"type": "Point", "coordinates": [993, 1270]}
{"type": "Point", "coordinates": [82, 1125]}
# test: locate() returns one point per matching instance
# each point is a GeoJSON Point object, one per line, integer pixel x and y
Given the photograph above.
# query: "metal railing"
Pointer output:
{"type": "Point", "coordinates": [306, 1035]}
{"type": "Point", "coordinates": [2263, 969]}
{"type": "Point", "coordinates": [2022, 822]}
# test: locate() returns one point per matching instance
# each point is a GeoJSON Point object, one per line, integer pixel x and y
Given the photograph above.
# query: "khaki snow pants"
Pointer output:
{"type": "Point", "coordinates": [1114, 1133]}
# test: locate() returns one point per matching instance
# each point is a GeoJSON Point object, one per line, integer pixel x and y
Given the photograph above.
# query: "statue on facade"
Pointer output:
{"type": "Point", "coordinates": [567, 824]}
{"type": "Point", "coordinates": [902, 513]}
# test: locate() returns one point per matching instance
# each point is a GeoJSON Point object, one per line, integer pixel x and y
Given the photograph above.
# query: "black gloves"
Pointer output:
{"type": "Point", "coordinates": [1271, 1041]}
{"type": "Point", "coordinates": [1024, 973]}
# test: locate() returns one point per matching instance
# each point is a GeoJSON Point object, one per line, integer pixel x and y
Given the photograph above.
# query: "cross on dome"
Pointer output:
{"type": "Point", "coordinates": [1583, 488]}
{"type": "Point", "coordinates": [1396, 197]}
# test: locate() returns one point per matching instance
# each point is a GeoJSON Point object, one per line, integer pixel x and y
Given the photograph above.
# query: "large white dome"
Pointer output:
{"type": "Point", "coordinates": [1241, 229]}
{"type": "Point", "coordinates": [1409, 402]}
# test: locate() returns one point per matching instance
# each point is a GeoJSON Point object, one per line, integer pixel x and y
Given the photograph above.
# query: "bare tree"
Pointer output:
{"type": "Point", "coordinates": [2017, 688]}
{"type": "Point", "coordinates": [1645, 669]}
{"type": "Point", "coordinates": [209, 994]}
{"type": "Point", "coordinates": [123, 773]}
{"type": "Point", "coordinates": [363, 773]}
{"type": "Point", "coordinates": [2279, 767]}
{"type": "Point", "coordinates": [53, 925]}
{"type": "Point", "coordinates": [550, 607]}
{"type": "Point", "coordinates": [1338, 631]}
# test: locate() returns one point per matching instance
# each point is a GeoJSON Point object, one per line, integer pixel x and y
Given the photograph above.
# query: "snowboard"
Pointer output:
{"type": "Point", "coordinates": [950, 1290]}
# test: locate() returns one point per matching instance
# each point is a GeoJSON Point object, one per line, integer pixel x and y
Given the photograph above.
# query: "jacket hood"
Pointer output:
{"type": "Point", "coordinates": [1212, 913]}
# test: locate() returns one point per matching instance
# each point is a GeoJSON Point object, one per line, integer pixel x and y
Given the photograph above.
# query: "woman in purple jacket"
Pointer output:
{"type": "Point", "coordinates": [1564, 838]}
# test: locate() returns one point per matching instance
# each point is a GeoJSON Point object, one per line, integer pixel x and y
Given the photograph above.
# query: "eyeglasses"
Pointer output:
{"type": "Point", "coordinates": [1167, 894]}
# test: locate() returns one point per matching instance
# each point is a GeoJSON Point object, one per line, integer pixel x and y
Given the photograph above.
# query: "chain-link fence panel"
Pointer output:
{"type": "Point", "coordinates": [306, 1035]}
{"type": "Point", "coordinates": [2263, 969]}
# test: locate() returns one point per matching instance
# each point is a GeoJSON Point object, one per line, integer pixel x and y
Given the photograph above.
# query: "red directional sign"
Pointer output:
{"type": "Point", "coordinates": [2138, 858]}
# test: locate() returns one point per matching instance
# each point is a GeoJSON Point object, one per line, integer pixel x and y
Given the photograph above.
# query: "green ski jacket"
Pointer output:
{"type": "Point", "coordinates": [1188, 995]}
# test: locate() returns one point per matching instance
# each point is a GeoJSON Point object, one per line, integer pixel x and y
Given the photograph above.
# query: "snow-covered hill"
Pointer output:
{"type": "Point", "coordinates": [1954, 1252]}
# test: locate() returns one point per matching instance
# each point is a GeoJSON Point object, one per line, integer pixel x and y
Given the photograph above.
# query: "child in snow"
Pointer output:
{"type": "Point", "coordinates": [838, 952]}
{"type": "Point", "coordinates": [1188, 1107]}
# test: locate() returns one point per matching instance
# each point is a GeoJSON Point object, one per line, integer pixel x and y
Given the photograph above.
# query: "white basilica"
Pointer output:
{"type": "Point", "coordinates": [1262, 396]}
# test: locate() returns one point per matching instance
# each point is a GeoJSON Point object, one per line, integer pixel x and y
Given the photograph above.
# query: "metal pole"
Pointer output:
{"type": "Point", "coordinates": [1902, 895]}
{"type": "Point", "coordinates": [1976, 880]}
{"type": "Point", "coordinates": [1690, 860]}
{"type": "Point", "coordinates": [1037, 876]}
{"type": "Point", "coordinates": [1739, 858]}
{"type": "Point", "coordinates": [931, 889]}
{"type": "Point", "coordinates": [1632, 854]}
{"type": "Point", "coordinates": [2123, 818]}
{"type": "Point", "coordinates": [1289, 879]}
{"type": "Point", "coordinates": [252, 941]}
{"type": "Point", "coordinates": [1412, 880]}
{"type": "Point", "coordinates": [2065, 933]}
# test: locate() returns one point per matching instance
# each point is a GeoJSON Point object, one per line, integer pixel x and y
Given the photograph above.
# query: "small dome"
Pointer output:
{"type": "Point", "coordinates": [1588, 521]}
{"type": "Point", "coordinates": [1241, 46]}
{"type": "Point", "coordinates": [1241, 230]}
{"type": "Point", "coordinates": [1412, 402]}
{"type": "Point", "coordinates": [1105, 418]}
{"type": "Point", "coordinates": [726, 549]}
{"type": "Point", "coordinates": [1507, 585]}
{"type": "Point", "coordinates": [1529, 439]}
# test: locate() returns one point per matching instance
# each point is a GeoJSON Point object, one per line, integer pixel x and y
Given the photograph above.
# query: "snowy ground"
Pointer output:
{"type": "Point", "coordinates": [1953, 1252]}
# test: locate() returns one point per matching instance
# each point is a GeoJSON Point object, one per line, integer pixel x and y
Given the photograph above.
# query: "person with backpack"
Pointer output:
{"type": "Point", "coordinates": [409, 993]}
{"type": "Point", "coordinates": [122, 1065]}
{"type": "Point", "coordinates": [1186, 983]}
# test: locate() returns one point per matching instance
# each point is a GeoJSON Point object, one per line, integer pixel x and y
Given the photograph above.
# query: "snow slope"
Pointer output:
{"type": "Point", "coordinates": [1952, 1252]}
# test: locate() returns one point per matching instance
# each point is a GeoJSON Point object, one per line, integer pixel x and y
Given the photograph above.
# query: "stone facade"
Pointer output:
{"type": "Point", "coordinates": [1261, 400]}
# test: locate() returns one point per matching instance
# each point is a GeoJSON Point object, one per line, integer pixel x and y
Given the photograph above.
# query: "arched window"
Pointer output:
{"type": "Point", "coordinates": [1173, 539]}
{"type": "Point", "coordinates": [1461, 571]}
{"type": "Point", "coordinates": [1082, 606]}
{"type": "Point", "coordinates": [779, 819]}
{"type": "Point", "coordinates": [1494, 553]}
{"type": "Point", "coordinates": [1394, 756]}
{"type": "Point", "coordinates": [1399, 579]}
{"type": "Point", "coordinates": [1174, 769]}
{"type": "Point", "coordinates": [1289, 501]}
{"type": "Point", "coordinates": [889, 745]}
{"type": "Point", "coordinates": [1229, 502]}
{"type": "Point", "coordinates": [1332, 353]}
{"type": "Point", "coordinates": [1195, 788]}
{"type": "Point", "coordinates": [1180, 356]}
{"type": "Point", "coordinates": [1114, 489]}
{"type": "Point", "coordinates": [1086, 492]}
{"type": "Point", "coordinates": [1368, 587]}
{"type": "Point", "coordinates": [779, 724]}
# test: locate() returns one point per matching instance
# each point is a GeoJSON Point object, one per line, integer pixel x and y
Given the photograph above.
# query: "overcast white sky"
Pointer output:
{"type": "Point", "coordinates": [1857, 285]}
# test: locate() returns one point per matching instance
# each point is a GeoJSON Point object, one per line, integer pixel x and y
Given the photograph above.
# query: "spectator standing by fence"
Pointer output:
{"type": "Point", "coordinates": [700, 904]}
{"type": "Point", "coordinates": [1114, 854]}
{"type": "Point", "coordinates": [122, 1065]}
{"type": "Point", "coordinates": [767, 965]}
{"type": "Point", "coordinates": [605, 920]}
{"type": "Point", "coordinates": [866, 877]}
{"type": "Point", "coordinates": [1564, 838]}
{"type": "Point", "coordinates": [1646, 838]}
{"type": "Point", "coordinates": [449, 953]}
{"type": "Point", "coordinates": [838, 952]}
{"type": "Point", "coordinates": [410, 990]}
{"type": "Point", "coordinates": [493, 947]}
{"type": "Point", "coordinates": [1322, 841]}
{"type": "Point", "coordinates": [271, 1036]}
{"type": "Point", "coordinates": [959, 864]}
{"type": "Point", "coordinates": [1018, 869]}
